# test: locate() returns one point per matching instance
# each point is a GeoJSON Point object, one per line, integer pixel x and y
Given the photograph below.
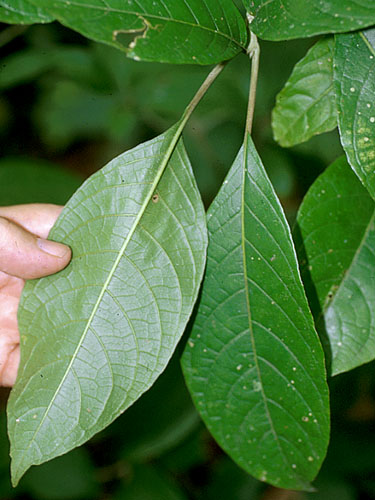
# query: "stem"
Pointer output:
{"type": "Point", "coordinates": [253, 52]}
{"type": "Point", "coordinates": [10, 33]}
{"type": "Point", "coordinates": [201, 91]}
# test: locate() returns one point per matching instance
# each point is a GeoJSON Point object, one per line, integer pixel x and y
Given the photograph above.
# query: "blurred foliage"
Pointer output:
{"type": "Point", "coordinates": [68, 106]}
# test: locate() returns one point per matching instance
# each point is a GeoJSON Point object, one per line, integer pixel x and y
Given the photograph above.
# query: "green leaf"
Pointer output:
{"type": "Point", "coordinates": [22, 12]}
{"type": "Point", "coordinates": [96, 336]}
{"type": "Point", "coordinates": [306, 105]}
{"type": "Point", "coordinates": [354, 73]}
{"type": "Point", "coordinates": [23, 180]}
{"type": "Point", "coordinates": [336, 245]}
{"type": "Point", "coordinates": [158, 30]}
{"type": "Point", "coordinates": [254, 364]}
{"type": "Point", "coordinates": [288, 19]}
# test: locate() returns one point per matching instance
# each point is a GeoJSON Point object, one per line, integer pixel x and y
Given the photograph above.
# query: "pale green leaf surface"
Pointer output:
{"type": "Point", "coordinates": [189, 31]}
{"type": "Point", "coordinates": [306, 105]}
{"type": "Point", "coordinates": [22, 12]}
{"type": "Point", "coordinates": [354, 73]}
{"type": "Point", "coordinates": [254, 363]}
{"type": "Point", "coordinates": [289, 19]}
{"type": "Point", "coordinates": [95, 336]}
{"type": "Point", "coordinates": [336, 245]}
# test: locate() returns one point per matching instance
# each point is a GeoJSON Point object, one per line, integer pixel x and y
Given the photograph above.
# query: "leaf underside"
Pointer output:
{"type": "Point", "coordinates": [306, 105]}
{"type": "Point", "coordinates": [289, 19]}
{"type": "Point", "coordinates": [354, 73]}
{"type": "Point", "coordinates": [22, 12]}
{"type": "Point", "coordinates": [254, 364]}
{"type": "Point", "coordinates": [193, 32]}
{"type": "Point", "coordinates": [336, 245]}
{"type": "Point", "coordinates": [95, 336]}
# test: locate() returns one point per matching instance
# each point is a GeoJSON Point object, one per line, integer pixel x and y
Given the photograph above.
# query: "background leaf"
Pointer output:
{"type": "Point", "coordinates": [306, 105]}
{"type": "Point", "coordinates": [156, 30]}
{"type": "Point", "coordinates": [254, 364]}
{"type": "Point", "coordinates": [354, 72]}
{"type": "Point", "coordinates": [95, 336]}
{"type": "Point", "coordinates": [42, 182]}
{"type": "Point", "coordinates": [336, 244]}
{"type": "Point", "coordinates": [285, 20]}
{"type": "Point", "coordinates": [71, 476]}
{"type": "Point", "coordinates": [174, 418]}
{"type": "Point", "coordinates": [147, 483]}
{"type": "Point", "coordinates": [22, 12]}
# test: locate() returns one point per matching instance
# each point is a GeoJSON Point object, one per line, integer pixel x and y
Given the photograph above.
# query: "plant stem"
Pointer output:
{"type": "Point", "coordinates": [10, 33]}
{"type": "Point", "coordinates": [201, 91]}
{"type": "Point", "coordinates": [253, 52]}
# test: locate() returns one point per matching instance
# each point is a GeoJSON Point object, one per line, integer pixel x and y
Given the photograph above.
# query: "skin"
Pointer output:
{"type": "Point", "coordinates": [25, 253]}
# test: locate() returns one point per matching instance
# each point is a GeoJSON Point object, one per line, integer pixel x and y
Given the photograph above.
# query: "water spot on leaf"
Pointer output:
{"type": "Point", "coordinates": [257, 386]}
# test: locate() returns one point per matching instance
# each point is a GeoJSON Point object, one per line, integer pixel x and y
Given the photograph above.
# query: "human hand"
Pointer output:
{"type": "Point", "coordinates": [25, 253]}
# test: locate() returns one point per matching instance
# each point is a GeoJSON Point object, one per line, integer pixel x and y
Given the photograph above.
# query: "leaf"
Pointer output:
{"type": "Point", "coordinates": [354, 73]}
{"type": "Point", "coordinates": [253, 363]}
{"type": "Point", "coordinates": [160, 30]}
{"type": "Point", "coordinates": [288, 19]}
{"type": "Point", "coordinates": [306, 105]}
{"type": "Point", "coordinates": [336, 245]}
{"type": "Point", "coordinates": [95, 336]}
{"type": "Point", "coordinates": [22, 12]}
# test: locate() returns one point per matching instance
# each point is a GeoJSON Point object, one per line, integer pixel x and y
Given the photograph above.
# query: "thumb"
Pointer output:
{"type": "Point", "coordinates": [26, 256]}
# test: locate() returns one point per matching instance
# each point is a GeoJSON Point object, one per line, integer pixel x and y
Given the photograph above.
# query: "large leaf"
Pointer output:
{"type": "Point", "coordinates": [95, 336]}
{"type": "Point", "coordinates": [254, 363]}
{"type": "Point", "coordinates": [306, 105]}
{"type": "Point", "coordinates": [336, 244]}
{"type": "Point", "coordinates": [288, 19]}
{"type": "Point", "coordinates": [22, 12]}
{"type": "Point", "coordinates": [354, 73]}
{"type": "Point", "coordinates": [192, 32]}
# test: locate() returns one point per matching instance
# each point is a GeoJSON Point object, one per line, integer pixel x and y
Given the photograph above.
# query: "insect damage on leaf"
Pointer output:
{"type": "Point", "coordinates": [142, 33]}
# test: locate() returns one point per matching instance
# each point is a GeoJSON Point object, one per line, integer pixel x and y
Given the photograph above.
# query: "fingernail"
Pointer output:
{"type": "Point", "coordinates": [53, 248]}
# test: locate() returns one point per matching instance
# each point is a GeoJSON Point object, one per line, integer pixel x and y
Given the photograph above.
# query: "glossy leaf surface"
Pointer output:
{"type": "Point", "coordinates": [95, 336]}
{"type": "Point", "coordinates": [354, 72]}
{"type": "Point", "coordinates": [288, 19]}
{"type": "Point", "coordinates": [22, 12]}
{"type": "Point", "coordinates": [254, 363]}
{"type": "Point", "coordinates": [306, 105]}
{"type": "Point", "coordinates": [192, 32]}
{"type": "Point", "coordinates": [336, 245]}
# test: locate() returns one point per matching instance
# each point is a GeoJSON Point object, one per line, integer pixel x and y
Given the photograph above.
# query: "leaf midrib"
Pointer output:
{"type": "Point", "coordinates": [248, 306]}
{"type": "Point", "coordinates": [154, 16]}
{"type": "Point", "coordinates": [346, 275]}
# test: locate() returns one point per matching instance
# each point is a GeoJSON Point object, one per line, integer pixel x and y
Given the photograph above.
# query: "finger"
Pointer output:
{"type": "Point", "coordinates": [10, 291]}
{"type": "Point", "coordinates": [37, 218]}
{"type": "Point", "coordinates": [9, 362]}
{"type": "Point", "coordinates": [26, 256]}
